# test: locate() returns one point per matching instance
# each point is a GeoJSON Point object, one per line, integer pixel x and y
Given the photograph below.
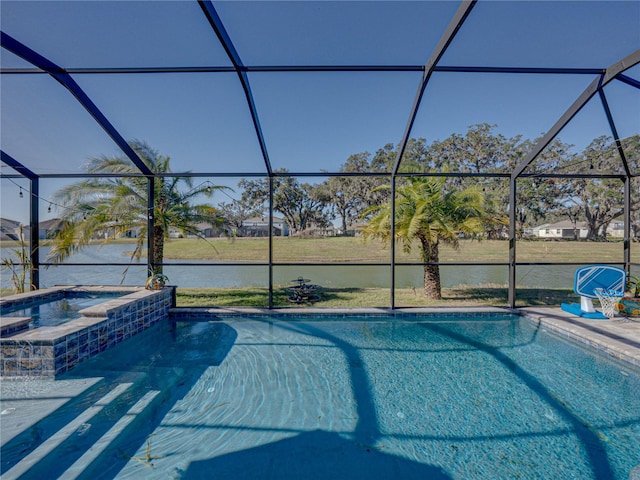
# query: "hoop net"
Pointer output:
{"type": "Point", "coordinates": [608, 300]}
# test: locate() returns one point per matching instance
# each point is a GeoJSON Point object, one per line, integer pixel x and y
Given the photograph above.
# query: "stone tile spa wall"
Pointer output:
{"type": "Point", "coordinates": [50, 351]}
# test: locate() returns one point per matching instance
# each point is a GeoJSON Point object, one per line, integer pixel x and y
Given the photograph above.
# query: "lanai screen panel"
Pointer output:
{"type": "Point", "coordinates": [106, 34]}
{"type": "Point", "coordinates": [584, 146]}
{"type": "Point", "coordinates": [561, 34]}
{"type": "Point", "coordinates": [479, 112]}
{"type": "Point", "coordinates": [318, 33]}
{"type": "Point", "coordinates": [624, 102]}
{"type": "Point", "coordinates": [45, 128]}
{"type": "Point", "coordinates": [199, 119]}
{"type": "Point", "coordinates": [313, 122]}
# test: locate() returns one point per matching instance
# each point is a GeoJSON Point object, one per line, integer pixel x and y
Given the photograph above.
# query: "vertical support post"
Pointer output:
{"type": "Point", "coordinates": [151, 191]}
{"type": "Point", "coordinates": [512, 243]}
{"type": "Point", "coordinates": [627, 224]}
{"type": "Point", "coordinates": [392, 233]}
{"type": "Point", "coordinates": [270, 241]}
{"type": "Point", "coordinates": [34, 234]}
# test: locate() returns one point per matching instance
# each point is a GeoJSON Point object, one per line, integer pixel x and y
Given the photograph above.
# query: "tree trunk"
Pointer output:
{"type": "Point", "coordinates": [158, 249]}
{"type": "Point", "coordinates": [430, 254]}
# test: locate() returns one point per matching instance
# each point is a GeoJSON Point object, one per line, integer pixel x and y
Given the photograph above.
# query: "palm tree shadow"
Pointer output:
{"type": "Point", "coordinates": [312, 455]}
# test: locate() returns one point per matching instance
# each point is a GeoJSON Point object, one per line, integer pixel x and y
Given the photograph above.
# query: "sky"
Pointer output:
{"type": "Point", "coordinates": [311, 121]}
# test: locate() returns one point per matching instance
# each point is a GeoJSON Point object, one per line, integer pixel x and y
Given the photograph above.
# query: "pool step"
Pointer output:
{"type": "Point", "coordinates": [11, 325]}
{"type": "Point", "coordinates": [24, 465]}
{"type": "Point", "coordinates": [91, 455]}
{"type": "Point", "coordinates": [106, 434]}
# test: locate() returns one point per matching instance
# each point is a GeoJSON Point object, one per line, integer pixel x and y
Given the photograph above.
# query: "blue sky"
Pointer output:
{"type": "Point", "coordinates": [311, 121]}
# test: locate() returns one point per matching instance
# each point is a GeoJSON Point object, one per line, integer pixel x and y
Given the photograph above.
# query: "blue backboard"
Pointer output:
{"type": "Point", "coordinates": [599, 276]}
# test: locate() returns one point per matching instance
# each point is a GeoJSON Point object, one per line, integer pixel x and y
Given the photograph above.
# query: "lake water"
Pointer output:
{"type": "Point", "coordinates": [242, 276]}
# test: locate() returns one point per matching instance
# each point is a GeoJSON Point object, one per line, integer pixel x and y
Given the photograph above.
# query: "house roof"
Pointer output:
{"type": "Point", "coordinates": [262, 220]}
{"type": "Point", "coordinates": [8, 229]}
{"type": "Point", "coordinates": [47, 224]}
{"type": "Point", "coordinates": [8, 223]}
{"type": "Point", "coordinates": [567, 224]}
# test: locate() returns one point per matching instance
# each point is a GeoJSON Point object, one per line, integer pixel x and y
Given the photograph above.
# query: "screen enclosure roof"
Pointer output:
{"type": "Point", "coordinates": [236, 88]}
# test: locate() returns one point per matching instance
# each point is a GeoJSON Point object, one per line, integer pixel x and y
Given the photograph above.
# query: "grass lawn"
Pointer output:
{"type": "Point", "coordinates": [355, 249]}
{"type": "Point", "coordinates": [372, 297]}
{"type": "Point", "coordinates": [350, 249]}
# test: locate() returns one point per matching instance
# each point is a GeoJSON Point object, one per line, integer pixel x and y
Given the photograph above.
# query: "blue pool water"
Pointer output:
{"type": "Point", "coordinates": [49, 312]}
{"type": "Point", "coordinates": [483, 398]}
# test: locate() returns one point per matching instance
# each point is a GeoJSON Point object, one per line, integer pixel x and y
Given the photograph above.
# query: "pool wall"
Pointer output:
{"type": "Point", "coordinates": [50, 351]}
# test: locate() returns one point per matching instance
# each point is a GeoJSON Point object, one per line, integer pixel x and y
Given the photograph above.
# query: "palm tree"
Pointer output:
{"type": "Point", "coordinates": [112, 206]}
{"type": "Point", "coordinates": [431, 215]}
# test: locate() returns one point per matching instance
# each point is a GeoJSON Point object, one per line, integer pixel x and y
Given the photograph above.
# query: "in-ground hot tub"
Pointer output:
{"type": "Point", "coordinates": [31, 350]}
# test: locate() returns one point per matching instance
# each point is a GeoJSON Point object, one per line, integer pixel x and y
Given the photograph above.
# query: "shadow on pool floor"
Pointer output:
{"type": "Point", "coordinates": [312, 455]}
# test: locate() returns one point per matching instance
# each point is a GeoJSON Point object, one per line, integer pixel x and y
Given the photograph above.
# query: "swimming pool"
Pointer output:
{"type": "Point", "coordinates": [485, 397]}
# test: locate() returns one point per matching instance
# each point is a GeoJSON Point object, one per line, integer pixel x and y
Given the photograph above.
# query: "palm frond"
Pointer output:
{"type": "Point", "coordinates": [107, 208]}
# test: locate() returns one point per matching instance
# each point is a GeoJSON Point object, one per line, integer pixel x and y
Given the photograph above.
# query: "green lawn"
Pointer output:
{"type": "Point", "coordinates": [349, 249]}
{"type": "Point", "coordinates": [372, 297]}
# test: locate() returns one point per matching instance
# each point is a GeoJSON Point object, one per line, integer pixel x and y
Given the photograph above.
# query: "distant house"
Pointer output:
{"type": "Point", "coordinates": [205, 229]}
{"type": "Point", "coordinates": [9, 229]}
{"type": "Point", "coordinates": [536, 231]}
{"type": "Point", "coordinates": [318, 232]}
{"type": "Point", "coordinates": [564, 229]}
{"type": "Point", "coordinates": [209, 231]}
{"type": "Point", "coordinates": [175, 232]}
{"type": "Point", "coordinates": [48, 229]}
{"type": "Point", "coordinates": [132, 233]}
{"type": "Point", "coordinates": [355, 229]}
{"type": "Point", "coordinates": [615, 228]}
{"type": "Point", "coordinates": [259, 227]}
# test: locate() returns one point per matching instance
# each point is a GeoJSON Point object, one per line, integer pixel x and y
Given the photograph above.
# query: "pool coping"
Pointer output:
{"type": "Point", "coordinates": [193, 313]}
